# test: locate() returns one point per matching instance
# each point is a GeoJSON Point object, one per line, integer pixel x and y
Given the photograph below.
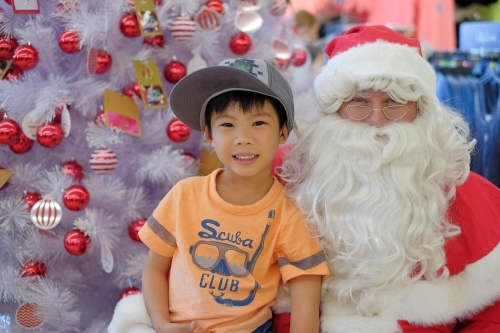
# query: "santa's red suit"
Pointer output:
{"type": "Point", "coordinates": [467, 299]}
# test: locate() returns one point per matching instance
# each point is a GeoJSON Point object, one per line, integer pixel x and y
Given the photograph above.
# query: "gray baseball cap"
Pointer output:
{"type": "Point", "coordinates": [190, 96]}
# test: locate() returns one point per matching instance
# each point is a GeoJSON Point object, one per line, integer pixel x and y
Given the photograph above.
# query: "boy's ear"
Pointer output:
{"type": "Point", "coordinates": [208, 135]}
{"type": "Point", "coordinates": [283, 134]}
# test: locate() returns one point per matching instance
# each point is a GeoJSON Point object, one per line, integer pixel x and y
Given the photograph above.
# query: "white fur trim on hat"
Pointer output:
{"type": "Point", "coordinates": [380, 59]}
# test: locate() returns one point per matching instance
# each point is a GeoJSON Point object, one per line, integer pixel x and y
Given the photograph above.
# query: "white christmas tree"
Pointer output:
{"type": "Point", "coordinates": [87, 151]}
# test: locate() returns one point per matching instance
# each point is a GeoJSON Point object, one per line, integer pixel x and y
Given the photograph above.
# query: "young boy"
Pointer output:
{"type": "Point", "coordinates": [227, 239]}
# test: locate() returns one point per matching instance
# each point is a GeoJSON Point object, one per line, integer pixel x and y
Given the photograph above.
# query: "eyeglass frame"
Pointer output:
{"type": "Point", "coordinates": [407, 105]}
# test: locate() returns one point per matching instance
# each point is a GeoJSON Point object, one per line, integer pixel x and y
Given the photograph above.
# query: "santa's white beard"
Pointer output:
{"type": "Point", "coordinates": [377, 198]}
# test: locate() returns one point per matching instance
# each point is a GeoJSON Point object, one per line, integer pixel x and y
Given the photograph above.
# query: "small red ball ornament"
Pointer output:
{"type": "Point", "coordinates": [72, 169]}
{"type": "Point", "coordinates": [183, 29]}
{"type": "Point", "coordinates": [134, 227]}
{"type": "Point", "coordinates": [299, 57]}
{"type": "Point", "coordinates": [104, 62]}
{"type": "Point", "coordinates": [25, 57]}
{"type": "Point", "coordinates": [23, 145]}
{"type": "Point", "coordinates": [216, 5]}
{"type": "Point", "coordinates": [103, 161]}
{"type": "Point", "coordinates": [208, 19]}
{"type": "Point", "coordinates": [13, 72]}
{"type": "Point", "coordinates": [129, 25]}
{"type": "Point", "coordinates": [130, 291]}
{"type": "Point", "coordinates": [31, 199]}
{"type": "Point", "coordinates": [240, 43]}
{"type": "Point", "coordinates": [33, 269]}
{"type": "Point", "coordinates": [174, 71]}
{"type": "Point", "coordinates": [76, 242]}
{"type": "Point", "coordinates": [157, 41]}
{"type": "Point", "coordinates": [177, 131]}
{"type": "Point", "coordinates": [10, 132]}
{"type": "Point", "coordinates": [69, 41]}
{"type": "Point", "coordinates": [76, 198]}
{"type": "Point", "coordinates": [50, 135]}
{"type": "Point", "coordinates": [7, 47]}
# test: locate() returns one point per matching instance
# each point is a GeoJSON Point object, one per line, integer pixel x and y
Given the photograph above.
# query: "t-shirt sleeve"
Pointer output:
{"type": "Point", "coordinates": [158, 233]}
{"type": "Point", "coordinates": [298, 252]}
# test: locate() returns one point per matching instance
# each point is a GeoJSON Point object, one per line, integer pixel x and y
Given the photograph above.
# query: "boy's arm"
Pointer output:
{"type": "Point", "coordinates": [155, 290]}
{"type": "Point", "coordinates": [305, 293]}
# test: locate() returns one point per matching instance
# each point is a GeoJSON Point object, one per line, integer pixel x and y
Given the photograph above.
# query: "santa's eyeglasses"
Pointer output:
{"type": "Point", "coordinates": [393, 112]}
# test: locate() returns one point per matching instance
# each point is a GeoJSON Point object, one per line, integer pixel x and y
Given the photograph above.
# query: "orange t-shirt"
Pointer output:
{"type": "Point", "coordinates": [228, 260]}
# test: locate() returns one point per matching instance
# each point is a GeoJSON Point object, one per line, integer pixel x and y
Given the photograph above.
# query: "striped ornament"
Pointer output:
{"type": "Point", "coordinates": [27, 316]}
{"type": "Point", "coordinates": [103, 161]}
{"type": "Point", "coordinates": [46, 214]}
{"type": "Point", "coordinates": [278, 7]}
{"type": "Point", "coordinates": [208, 19]}
{"type": "Point", "coordinates": [182, 29]}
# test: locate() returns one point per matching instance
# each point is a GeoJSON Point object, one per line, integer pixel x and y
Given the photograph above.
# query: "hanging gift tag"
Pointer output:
{"type": "Point", "coordinates": [26, 6]}
{"type": "Point", "coordinates": [121, 112]}
{"type": "Point", "coordinates": [147, 17]}
{"type": "Point", "coordinates": [149, 79]}
{"type": "Point", "coordinates": [107, 259]}
{"type": "Point", "coordinates": [65, 120]}
{"type": "Point", "coordinates": [4, 67]}
{"type": "Point", "coordinates": [4, 176]}
{"type": "Point", "coordinates": [30, 127]}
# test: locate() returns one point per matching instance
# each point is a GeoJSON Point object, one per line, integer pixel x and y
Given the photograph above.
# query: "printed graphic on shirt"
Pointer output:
{"type": "Point", "coordinates": [226, 265]}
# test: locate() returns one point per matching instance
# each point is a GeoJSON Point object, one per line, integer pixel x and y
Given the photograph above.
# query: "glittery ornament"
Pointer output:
{"type": "Point", "coordinates": [28, 316]}
{"type": "Point", "coordinates": [240, 43]}
{"type": "Point", "coordinates": [33, 269]}
{"type": "Point", "coordinates": [183, 29]}
{"type": "Point", "coordinates": [104, 62]}
{"type": "Point", "coordinates": [278, 7]}
{"type": "Point", "coordinates": [49, 135]}
{"type": "Point", "coordinates": [129, 25]}
{"type": "Point", "coordinates": [156, 41]}
{"type": "Point", "coordinates": [69, 41]}
{"type": "Point", "coordinates": [10, 131]}
{"type": "Point", "coordinates": [31, 199]}
{"type": "Point", "coordinates": [299, 57]}
{"type": "Point", "coordinates": [46, 214]}
{"type": "Point", "coordinates": [216, 5]}
{"type": "Point", "coordinates": [72, 169]}
{"type": "Point", "coordinates": [103, 161]}
{"type": "Point", "coordinates": [25, 57]}
{"type": "Point", "coordinates": [208, 19]}
{"type": "Point", "coordinates": [134, 227]}
{"type": "Point", "coordinates": [76, 242]}
{"type": "Point", "coordinates": [13, 72]}
{"type": "Point", "coordinates": [76, 197]}
{"type": "Point", "coordinates": [177, 131]}
{"type": "Point", "coordinates": [7, 47]}
{"type": "Point", "coordinates": [130, 291]}
{"type": "Point", "coordinates": [174, 71]}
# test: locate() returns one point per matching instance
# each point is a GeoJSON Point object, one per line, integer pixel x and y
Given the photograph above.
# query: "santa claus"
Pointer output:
{"type": "Point", "coordinates": [411, 235]}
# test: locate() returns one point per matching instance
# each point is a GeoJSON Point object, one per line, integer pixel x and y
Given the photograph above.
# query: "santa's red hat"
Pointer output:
{"type": "Point", "coordinates": [368, 52]}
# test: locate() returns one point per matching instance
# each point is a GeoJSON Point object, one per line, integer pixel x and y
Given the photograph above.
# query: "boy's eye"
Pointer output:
{"type": "Point", "coordinates": [226, 125]}
{"type": "Point", "coordinates": [260, 122]}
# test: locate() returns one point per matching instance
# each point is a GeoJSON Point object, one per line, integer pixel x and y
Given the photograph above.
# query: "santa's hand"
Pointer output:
{"type": "Point", "coordinates": [176, 328]}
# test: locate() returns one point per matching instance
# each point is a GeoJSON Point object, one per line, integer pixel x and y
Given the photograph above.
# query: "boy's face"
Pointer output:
{"type": "Point", "coordinates": [246, 142]}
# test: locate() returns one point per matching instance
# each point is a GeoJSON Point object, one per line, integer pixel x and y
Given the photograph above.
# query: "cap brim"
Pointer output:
{"type": "Point", "coordinates": [189, 95]}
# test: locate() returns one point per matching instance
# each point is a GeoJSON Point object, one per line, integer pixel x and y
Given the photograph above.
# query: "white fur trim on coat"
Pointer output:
{"type": "Point", "coordinates": [131, 316]}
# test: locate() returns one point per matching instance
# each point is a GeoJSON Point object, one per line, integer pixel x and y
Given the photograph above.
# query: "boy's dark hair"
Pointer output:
{"type": "Point", "coordinates": [247, 100]}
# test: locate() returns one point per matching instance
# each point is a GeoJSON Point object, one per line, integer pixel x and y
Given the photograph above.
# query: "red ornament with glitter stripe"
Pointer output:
{"type": "Point", "coordinates": [183, 29]}
{"type": "Point", "coordinates": [46, 214]}
{"type": "Point", "coordinates": [208, 19]}
{"type": "Point", "coordinates": [103, 161]}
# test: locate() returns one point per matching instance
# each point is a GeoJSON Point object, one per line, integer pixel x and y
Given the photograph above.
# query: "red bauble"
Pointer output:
{"type": "Point", "coordinates": [104, 62]}
{"type": "Point", "coordinates": [216, 5]}
{"type": "Point", "coordinates": [129, 25]}
{"type": "Point", "coordinates": [134, 227]}
{"type": "Point", "coordinates": [281, 64]}
{"type": "Point", "coordinates": [49, 135]}
{"type": "Point", "coordinates": [23, 145]}
{"type": "Point", "coordinates": [103, 161]}
{"type": "Point", "coordinates": [157, 41]}
{"type": "Point", "coordinates": [183, 29]}
{"type": "Point", "coordinates": [72, 169]}
{"type": "Point", "coordinates": [33, 269]}
{"type": "Point", "coordinates": [177, 131]}
{"type": "Point", "coordinates": [76, 243]}
{"type": "Point", "coordinates": [174, 71]}
{"type": "Point", "coordinates": [299, 57]}
{"type": "Point", "coordinates": [76, 197]}
{"type": "Point", "coordinates": [130, 291]}
{"type": "Point", "coordinates": [25, 57]}
{"type": "Point", "coordinates": [8, 2]}
{"type": "Point", "coordinates": [240, 43]}
{"type": "Point", "coordinates": [7, 47]}
{"type": "Point", "coordinates": [208, 19]}
{"type": "Point", "coordinates": [31, 199]}
{"type": "Point", "coordinates": [13, 73]}
{"type": "Point", "coordinates": [10, 132]}
{"type": "Point", "coordinates": [69, 41]}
